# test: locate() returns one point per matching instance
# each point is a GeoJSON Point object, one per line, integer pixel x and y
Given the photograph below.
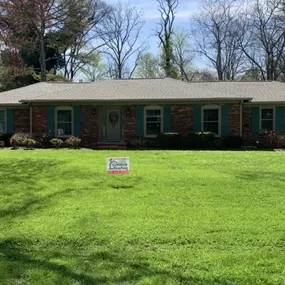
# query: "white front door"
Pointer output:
{"type": "Point", "coordinates": [113, 124]}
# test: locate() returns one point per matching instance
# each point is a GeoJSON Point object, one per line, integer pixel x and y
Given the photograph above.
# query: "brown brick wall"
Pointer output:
{"type": "Point", "coordinates": [129, 122]}
{"type": "Point", "coordinates": [182, 119]}
{"type": "Point", "coordinates": [22, 120]}
{"type": "Point", "coordinates": [234, 118]}
{"type": "Point", "coordinates": [39, 120]}
{"type": "Point", "coordinates": [90, 124]}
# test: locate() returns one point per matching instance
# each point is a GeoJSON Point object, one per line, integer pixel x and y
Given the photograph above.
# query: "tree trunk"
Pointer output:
{"type": "Point", "coordinates": [43, 57]}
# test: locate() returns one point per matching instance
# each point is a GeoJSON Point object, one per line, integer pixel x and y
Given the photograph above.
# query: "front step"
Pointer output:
{"type": "Point", "coordinates": [109, 146]}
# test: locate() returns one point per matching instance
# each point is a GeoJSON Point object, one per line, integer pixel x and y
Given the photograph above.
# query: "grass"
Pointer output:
{"type": "Point", "coordinates": [178, 218]}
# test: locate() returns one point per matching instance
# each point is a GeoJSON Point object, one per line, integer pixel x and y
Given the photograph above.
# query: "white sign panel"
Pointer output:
{"type": "Point", "coordinates": [118, 165]}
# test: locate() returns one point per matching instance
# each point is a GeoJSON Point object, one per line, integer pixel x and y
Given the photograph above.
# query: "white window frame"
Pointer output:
{"type": "Point", "coordinates": [5, 112]}
{"type": "Point", "coordinates": [260, 116]}
{"type": "Point", "coordinates": [161, 123]}
{"type": "Point", "coordinates": [56, 122]}
{"type": "Point", "coordinates": [211, 107]}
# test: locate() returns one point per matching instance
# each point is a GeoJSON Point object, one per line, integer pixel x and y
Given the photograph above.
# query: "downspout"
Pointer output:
{"type": "Point", "coordinates": [31, 120]}
{"type": "Point", "coordinates": [240, 119]}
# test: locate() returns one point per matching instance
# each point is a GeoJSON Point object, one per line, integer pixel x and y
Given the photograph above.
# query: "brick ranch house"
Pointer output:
{"type": "Point", "coordinates": [114, 111]}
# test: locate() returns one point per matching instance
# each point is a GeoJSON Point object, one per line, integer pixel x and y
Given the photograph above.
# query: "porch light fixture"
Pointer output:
{"type": "Point", "coordinates": [127, 111]}
{"type": "Point", "coordinates": [94, 112]}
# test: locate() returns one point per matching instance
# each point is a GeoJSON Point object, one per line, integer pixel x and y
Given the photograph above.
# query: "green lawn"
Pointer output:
{"type": "Point", "coordinates": [178, 218]}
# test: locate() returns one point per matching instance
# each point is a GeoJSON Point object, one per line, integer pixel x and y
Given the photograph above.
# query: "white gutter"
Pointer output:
{"type": "Point", "coordinates": [240, 120]}
{"type": "Point", "coordinates": [31, 120]}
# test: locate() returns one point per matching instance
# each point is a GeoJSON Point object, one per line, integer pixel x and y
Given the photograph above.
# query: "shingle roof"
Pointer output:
{"type": "Point", "coordinates": [32, 91]}
{"type": "Point", "coordinates": [264, 91]}
{"type": "Point", "coordinates": [146, 89]}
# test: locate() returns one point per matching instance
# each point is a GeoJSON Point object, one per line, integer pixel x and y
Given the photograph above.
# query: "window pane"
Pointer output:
{"type": "Point", "coordinates": [64, 129]}
{"type": "Point", "coordinates": [153, 128]}
{"type": "Point", "coordinates": [211, 127]}
{"type": "Point", "coordinates": [267, 125]}
{"type": "Point", "coordinates": [2, 127]}
{"type": "Point", "coordinates": [211, 115]}
{"type": "Point", "coordinates": [153, 119]}
{"type": "Point", "coordinates": [267, 114]}
{"type": "Point", "coordinates": [64, 116]}
{"type": "Point", "coordinates": [152, 113]}
{"type": "Point", "coordinates": [2, 115]}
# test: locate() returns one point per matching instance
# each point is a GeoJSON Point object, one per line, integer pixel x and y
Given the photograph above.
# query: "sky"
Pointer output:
{"type": "Point", "coordinates": [151, 17]}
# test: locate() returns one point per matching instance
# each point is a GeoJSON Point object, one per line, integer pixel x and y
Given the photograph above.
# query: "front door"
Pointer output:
{"type": "Point", "coordinates": [113, 124]}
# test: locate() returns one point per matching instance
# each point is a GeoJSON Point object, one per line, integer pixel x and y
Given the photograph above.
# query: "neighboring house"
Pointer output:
{"type": "Point", "coordinates": [118, 110]}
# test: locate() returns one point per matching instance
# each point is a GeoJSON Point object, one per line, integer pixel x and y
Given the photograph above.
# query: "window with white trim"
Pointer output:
{"type": "Point", "coordinates": [211, 120]}
{"type": "Point", "coordinates": [153, 121]}
{"type": "Point", "coordinates": [267, 119]}
{"type": "Point", "coordinates": [3, 121]}
{"type": "Point", "coordinates": [64, 121]}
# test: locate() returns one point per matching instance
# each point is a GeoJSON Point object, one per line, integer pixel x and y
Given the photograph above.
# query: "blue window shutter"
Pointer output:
{"type": "Point", "coordinates": [77, 121]}
{"type": "Point", "coordinates": [197, 118]}
{"type": "Point", "coordinates": [255, 127]}
{"type": "Point", "coordinates": [225, 131]}
{"type": "Point", "coordinates": [10, 121]}
{"type": "Point", "coordinates": [140, 120]}
{"type": "Point", "coordinates": [167, 118]}
{"type": "Point", "coordinates": [50, 120]}
{"type": "Point", "coordinates": [279, 120]}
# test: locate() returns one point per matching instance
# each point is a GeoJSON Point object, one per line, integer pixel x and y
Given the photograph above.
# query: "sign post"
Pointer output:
{"type": "Point", "coordinates": [118, 165]}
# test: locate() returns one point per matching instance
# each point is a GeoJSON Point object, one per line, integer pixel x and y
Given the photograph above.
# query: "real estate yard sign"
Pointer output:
{"type": "Point", "coordinates": [118, 165]}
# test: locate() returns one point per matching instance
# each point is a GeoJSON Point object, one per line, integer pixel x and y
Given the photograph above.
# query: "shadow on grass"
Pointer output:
{"type": "Point", "coordinates": [27, 184]}
{"type": "Point", "coordinates": [260, 175]}
{"type": "Point", "coordinates": [15, 253]}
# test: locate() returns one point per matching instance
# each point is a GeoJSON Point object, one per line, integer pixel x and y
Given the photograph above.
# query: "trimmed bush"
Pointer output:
{"type": "Point", "coordinates": [137, 142]}
{"type": "Point", "coordinates": [57, 143]}
{"type": "Point", "coordinates": [44, 140]}
{"type": "Point", "coordinates": [232, 142]}
{"type": "Point", "coordinates": [30, 143]}
{"type": "Point", "coordinates": [18, 139]}
{"type": "Point", "coordinates": [6, 138]}
{"type": "Point", "coordinates": [170, 140]}
{"type": "Point", "coordinates": [201, 140]}
{"type": "Point", "coordinates": [73, 142]}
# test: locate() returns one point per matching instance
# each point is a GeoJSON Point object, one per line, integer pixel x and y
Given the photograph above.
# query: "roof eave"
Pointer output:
{"type": "Point", "coordinates": [138, 100]}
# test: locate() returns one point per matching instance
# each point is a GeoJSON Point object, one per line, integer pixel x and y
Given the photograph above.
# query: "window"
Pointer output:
{"type": "Point", "coordinates": [211, 119]}
{"type": "Point", "coordinates": [3, 121]}
{"type": "Point", "coordinates": [153, 121]}
{"type": "Point", "coordinates": [64, 119]}
{"type": "Point", "coordinates": [267, 119]}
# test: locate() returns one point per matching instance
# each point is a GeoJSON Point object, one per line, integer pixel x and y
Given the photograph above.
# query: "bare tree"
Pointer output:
{"type": "Point", "coordinates": [167, 9]}
{"type": "Point", "coordinates": [95, 70]}
{"type": "Point", "coordinates": [265, 37]}
{"type": "Point", "coordinates": [148, 67]}
{"type": "Point", "coordinates": [182, 54]}
{"type": "Point", "coordinates": [121, 38]}
{"type": "Point", "coordinates": [79, 33]}
{"type": "Point", "coordinates": [217, 35]}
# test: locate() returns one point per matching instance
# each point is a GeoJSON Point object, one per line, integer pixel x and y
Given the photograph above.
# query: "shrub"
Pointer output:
{"type": "Point", "coordinates": [56, 142]}
{"type": "Point", "coordinates": [44, 140]}
{"type": "Point", "coordinates": [6, 138]}
{"type": "Point", "coordinates": [29, 143]}
{"type": "Point", "coordinates": [18, 139]}
{"type": "Point", "coordinates": [137, 142]}
{"type": "Point", "coordinates": [2, 144]}
{"type": "Point", "coordinates": [273, 139]}
{"type": "Point", "coordinates": [170, 140]}
{"type": "Point", "coordinates": [232, 142]}
{"type": "Point", "coordinates": [73, 142]}
{"type": "Point", "coordinates": [201, 140]}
